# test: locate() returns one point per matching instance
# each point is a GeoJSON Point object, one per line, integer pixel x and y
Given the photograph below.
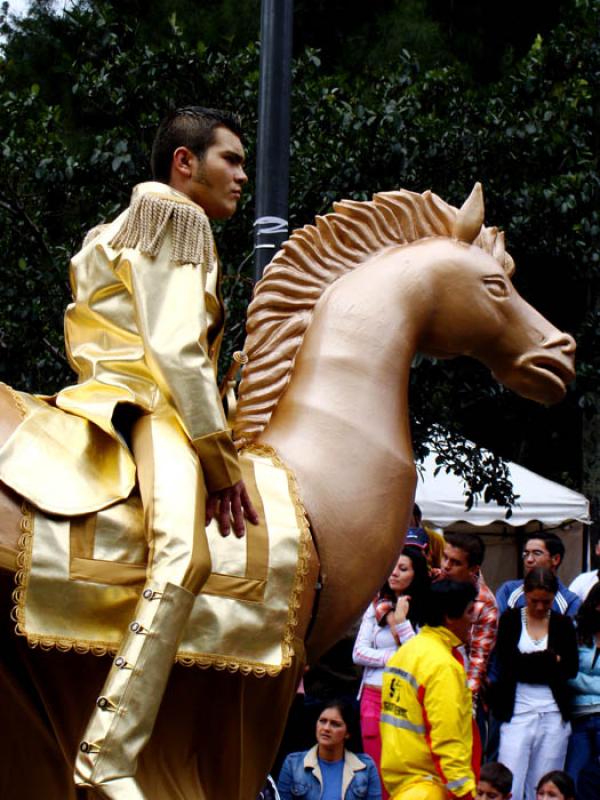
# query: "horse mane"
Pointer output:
{"type": "Point", "coordinates": [313, 258]}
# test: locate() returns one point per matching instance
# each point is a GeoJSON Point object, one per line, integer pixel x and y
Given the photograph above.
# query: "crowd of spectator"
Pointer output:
{"type": "Point", "coordinates": [465, 694]}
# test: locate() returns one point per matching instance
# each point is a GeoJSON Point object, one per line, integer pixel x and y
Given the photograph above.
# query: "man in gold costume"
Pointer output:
{"type": "Point", "coordinates": [143, 335]}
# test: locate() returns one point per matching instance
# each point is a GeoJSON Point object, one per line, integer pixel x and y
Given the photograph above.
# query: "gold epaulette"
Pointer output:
{"type": "Point", "coordinates": [146, 224]}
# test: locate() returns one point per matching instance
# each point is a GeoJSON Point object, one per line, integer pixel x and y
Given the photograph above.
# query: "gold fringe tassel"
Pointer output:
{"type": "Point", "coordinates": [146, 224]}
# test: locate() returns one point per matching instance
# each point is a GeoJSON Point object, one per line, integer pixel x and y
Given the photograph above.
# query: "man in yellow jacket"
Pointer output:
{"type": "Point", "coordinates": [426, 712]}
{"type": "Point", "coordinates": [143, 335]}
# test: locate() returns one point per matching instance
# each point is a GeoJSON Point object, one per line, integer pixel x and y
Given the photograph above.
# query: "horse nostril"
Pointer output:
{"type": "Point", "coordinates": [561, 341]}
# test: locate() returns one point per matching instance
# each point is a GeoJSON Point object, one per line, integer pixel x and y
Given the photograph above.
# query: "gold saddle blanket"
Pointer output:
{"type": "Point", "coordinates": [79, 579]}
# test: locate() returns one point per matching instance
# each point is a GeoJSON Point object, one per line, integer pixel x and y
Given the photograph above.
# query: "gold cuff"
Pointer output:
{"type": "Point", "coordinates": [219, 460]}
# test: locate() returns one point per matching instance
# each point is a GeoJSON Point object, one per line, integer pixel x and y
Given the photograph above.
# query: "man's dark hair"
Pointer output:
{"type": "Point", "coordinates": [554, 544]}
{"type": "Point", "coordinates": [192, 127]}
{"type": "Point", "coordinates": [540, 578]}
{"type": "Point", "coordinates": [417, 514]}
{"type": "Point", "coordinates": [449, 599]}
{"type": "Point", "coordinates": [471, 543]}
{"type": "Point", "coordinates": [497, 775]}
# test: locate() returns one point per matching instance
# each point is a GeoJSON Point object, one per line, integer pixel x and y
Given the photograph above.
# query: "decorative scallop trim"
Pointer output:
{"type": "Point", "coordinates": [218, 662]}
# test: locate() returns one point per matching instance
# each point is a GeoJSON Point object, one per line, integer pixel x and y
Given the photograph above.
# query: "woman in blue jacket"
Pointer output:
{"type": "Point", "coordinates": [328, 771]}
{"type": "Point", "coordinates": [584, 744]}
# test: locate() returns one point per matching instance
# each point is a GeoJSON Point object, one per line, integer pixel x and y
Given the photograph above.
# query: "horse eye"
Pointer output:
{"type": "Point", "coordinates": [496, 287]}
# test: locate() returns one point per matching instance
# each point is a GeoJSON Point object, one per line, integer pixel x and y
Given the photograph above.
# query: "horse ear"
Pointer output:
{"type": "Point", "coordinates": [469, 219]}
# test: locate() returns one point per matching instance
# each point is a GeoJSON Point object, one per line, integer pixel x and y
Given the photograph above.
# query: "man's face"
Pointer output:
{"type": "Point", "coordinates": [455, 565]}
{"type": "Point", "coordinates": [461, 627]}
{"type": "Point", "coordinates": [536, 554]}
{"type": "Point", "coordinates": [485, 791]}
{"type": "Point", "coordinates": [217, 178]}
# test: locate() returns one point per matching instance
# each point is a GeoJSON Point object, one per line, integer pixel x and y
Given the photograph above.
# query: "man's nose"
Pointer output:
{"type": "Point", "coordinates": [241, 176]}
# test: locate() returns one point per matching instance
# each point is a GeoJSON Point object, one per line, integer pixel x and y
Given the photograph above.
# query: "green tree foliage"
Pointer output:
{"type": "Point", "coordinates": [82, 93]}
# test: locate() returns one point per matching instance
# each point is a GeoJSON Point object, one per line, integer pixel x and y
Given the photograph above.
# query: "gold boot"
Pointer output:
{"type": "Point", "coordinates": [126, 710]}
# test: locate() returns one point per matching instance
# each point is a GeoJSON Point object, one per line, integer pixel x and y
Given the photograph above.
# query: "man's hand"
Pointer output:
{"type": "Point", "coordinates": [232, 503]}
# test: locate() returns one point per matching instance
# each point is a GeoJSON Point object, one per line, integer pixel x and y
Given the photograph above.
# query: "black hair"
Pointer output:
{"type": "Point", "coordinates": [471, 543]}
{"type": "Point", "coordinates": [562, 781]}
{"type": "Point", "coordinates": [346, 709]}
{"type": "Point", "coordinates": [553, 542]}
{"type": "Point", "coordinates": [588, 618]}
{"type": "Point", "coordinates": [497, 775]}
{"type": "Point", "coordinates": [418, 587]}
{"type": "Point", "coordinates": [447, 599]}
{"type": "Point", "coordinates": [540, 578]}
{"type": "Point", "coordinates": [192, 127]}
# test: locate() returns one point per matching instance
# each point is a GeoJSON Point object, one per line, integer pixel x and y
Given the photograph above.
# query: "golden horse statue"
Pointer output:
{"type": "Point", "coordinates": [332, 331]}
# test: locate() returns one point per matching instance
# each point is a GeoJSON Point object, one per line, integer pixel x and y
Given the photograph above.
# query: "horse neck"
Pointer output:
{"type": "Point", "coordinates": [348, 394]}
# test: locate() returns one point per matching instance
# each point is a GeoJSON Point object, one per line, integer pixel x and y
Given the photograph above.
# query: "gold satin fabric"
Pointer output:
{"type": "Point", "coordinates": [79, 581]}
{"type": "Point", "coordinates": [143, 329]}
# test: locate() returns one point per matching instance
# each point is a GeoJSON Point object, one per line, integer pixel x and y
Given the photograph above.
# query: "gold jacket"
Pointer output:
{"type": "Point", "coordinates": [144, 328]}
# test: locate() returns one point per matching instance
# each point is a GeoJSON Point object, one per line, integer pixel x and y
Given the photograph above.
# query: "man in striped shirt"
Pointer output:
{"type": "Point", "coordinates": [462, 560]}
{"type": "Point", "coordinates": [541, 550]}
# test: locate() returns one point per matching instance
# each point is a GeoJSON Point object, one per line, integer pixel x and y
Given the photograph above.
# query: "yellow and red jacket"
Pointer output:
{"type": "Point", "coordinates": [426, 716]}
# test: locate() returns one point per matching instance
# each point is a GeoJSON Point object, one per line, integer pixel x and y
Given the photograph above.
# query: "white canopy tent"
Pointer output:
{"type": "Point", "coordinates": [542, 505]}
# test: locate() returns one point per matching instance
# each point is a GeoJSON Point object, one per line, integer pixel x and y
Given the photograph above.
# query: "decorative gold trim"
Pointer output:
{"type": "Point", "coordinates": [82, 534]}
{"type": "Point", "coordinates": [290, 645]}
{"type": "Point", "coordinates": [288, 648]}
{"type": "Point", "coordinates": [64, 644]}
{"type": "Point", "coordinates": [112, 573]}
{"type": "Point", "coordinates": [146, 223]}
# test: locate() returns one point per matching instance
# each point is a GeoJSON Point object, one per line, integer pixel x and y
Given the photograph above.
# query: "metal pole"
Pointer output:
{"type": "Point", "coordinates": [273, 141]}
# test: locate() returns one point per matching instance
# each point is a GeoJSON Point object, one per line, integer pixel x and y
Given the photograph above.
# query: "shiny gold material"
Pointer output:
{"type": "Point", "coordinates": [333, 329]}
{"type": "Point", "coordinates": [128, 704]}
{"type": "Point", "coordinates": [80, 579]}
{"type": "Point", "coordinates": [332, 332]}
{"type": "Point", "coordinates": [162, 348]}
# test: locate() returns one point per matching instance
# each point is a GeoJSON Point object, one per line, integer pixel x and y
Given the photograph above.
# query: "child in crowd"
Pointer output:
{"type": "Point", "coordinates": [556, 785]}
{"type": "Point", "coordinates": [495, 782]}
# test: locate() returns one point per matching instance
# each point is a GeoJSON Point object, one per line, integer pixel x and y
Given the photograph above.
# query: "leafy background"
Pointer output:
{"type": "Point", "coordinates": [395, 93]}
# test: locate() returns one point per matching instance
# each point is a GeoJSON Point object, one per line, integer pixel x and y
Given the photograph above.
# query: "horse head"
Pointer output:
{"type": "Point", "coordinates": [464, 301]}
{"type": "Point", "coordinates": [476, 311]}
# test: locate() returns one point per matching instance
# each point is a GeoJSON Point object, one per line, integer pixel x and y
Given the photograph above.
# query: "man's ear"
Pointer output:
{"type": "Point", "coordinates": [555, 561]}
{"type": "Point", "coordinates": [181, 162]}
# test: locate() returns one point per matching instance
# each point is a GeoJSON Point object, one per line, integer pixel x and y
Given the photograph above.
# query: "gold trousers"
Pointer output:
{"type": "Point", "coordinates": [174, 499]}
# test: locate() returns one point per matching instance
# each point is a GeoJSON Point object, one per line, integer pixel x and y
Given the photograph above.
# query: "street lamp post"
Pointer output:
{"type": "Point", "coordinates": [273, 140]}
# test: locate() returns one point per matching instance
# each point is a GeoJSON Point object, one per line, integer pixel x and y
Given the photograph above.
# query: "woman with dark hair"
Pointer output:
{"type": "Point", "coordinates": [392, 618]}
{"type": "Point", "coordinates": [584, 744]}
{"type": "Point", "coordinates": [328, 771]}
{"type": "Point", "coordinates": [535, 655]}
{"type": "Point", "coordinates": [555, 785]}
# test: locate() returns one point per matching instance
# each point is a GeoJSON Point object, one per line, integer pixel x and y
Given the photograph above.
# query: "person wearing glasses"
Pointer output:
{"type": "Point", "coordinates": [541, 550]}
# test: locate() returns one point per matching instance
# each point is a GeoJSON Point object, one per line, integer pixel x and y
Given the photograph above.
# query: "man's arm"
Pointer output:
{"type": "Point", "coordinates": [502, 597]}
{"type": "Point", "coordinates": [483, 638]}
{"type": "Point", "coordinates": [448, 722]}
{"type": "Point", "coordinates": [169, 303]}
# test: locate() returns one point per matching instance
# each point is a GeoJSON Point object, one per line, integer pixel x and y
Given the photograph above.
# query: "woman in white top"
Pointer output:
{"type": "Point", "coordinates": [535, 655]}
{"type": "Point", "coordinates": [391, 619]}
